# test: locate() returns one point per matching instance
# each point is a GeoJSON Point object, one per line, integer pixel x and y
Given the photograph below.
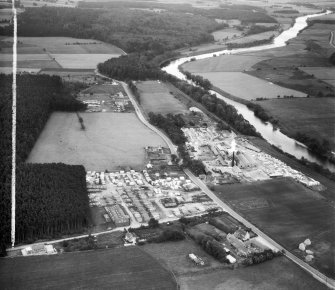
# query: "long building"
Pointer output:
{"type": "Point", "coordinates": [116, 213]}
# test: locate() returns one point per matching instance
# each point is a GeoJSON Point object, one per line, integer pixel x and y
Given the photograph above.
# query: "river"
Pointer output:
{"type": "Point", "coordinates": [268, 132]}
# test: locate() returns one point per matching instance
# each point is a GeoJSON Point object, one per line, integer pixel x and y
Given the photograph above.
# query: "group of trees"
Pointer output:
{"type": "Point", "coordinates": [257, 258]}
{"type": "Point", "coordinates": [51, 198]}
{"type": "Point", "coordinates": [233, 45]}
{"type": "Point", "coordinates": [320, 148]}
{"type": "Point", "coordinates": [210, 245]}
{"type": "Point", "coordinates": [171, 125]}
{"type": "Point", "coordinates": [255, 29]}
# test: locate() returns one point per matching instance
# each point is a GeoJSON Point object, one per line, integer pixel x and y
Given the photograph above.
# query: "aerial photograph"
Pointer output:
{"type": "Point", "coordinates": [167, 144]}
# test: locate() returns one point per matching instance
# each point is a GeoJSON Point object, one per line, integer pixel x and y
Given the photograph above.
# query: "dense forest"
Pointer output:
{"type": "Point", "coordinates": [245, 13]}
{"type": "Point", "coordinates": [131, 30]}
{"type": "Point", "coordinates": [51, 198]}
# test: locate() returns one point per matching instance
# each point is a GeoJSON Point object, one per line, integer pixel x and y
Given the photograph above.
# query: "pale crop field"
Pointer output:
{"type": "Point", "coordinates": [247, 87]}
{"type": "Point", "coordinates": [70, 45]}
{"type": "Point", "coordinates": [109, 141]}
{"type": "Point", "coordinates": [223, 63]}
{"type": "Point", "coordinates": [82, 61]}
{"type": "Point", "coordinates": [156, 98]}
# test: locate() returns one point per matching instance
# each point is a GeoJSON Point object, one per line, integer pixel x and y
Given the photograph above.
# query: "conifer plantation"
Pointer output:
{"type": "Point", "coordinates": [52, 198]}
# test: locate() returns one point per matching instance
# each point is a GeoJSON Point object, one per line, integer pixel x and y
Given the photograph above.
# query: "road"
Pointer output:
{"type": "Point", "coordinates": [316, 274]}
{"type": "Point", "coordinates": [141, 117]}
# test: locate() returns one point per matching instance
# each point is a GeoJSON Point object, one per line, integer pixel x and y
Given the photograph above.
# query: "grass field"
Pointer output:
{"type": "Point", "coordinates": [293, 214]}
{"type": "Point", "coordinates": [279, 273]}
{"type": "Point", "coordinates": [247, 87]}
{"type": "Point", "coordinates": [313, 116]}
{"type": "Point", "coordinates": [223, 63]}
{"type": "Point", "coordinates": [326, 74]}
{"type": "Point", "coordinates": [173, 255]}
{"type": "Point", "coordinates": [109, 141]}
{"type": "Point", "coordinates": [155, 97]}
{"type": "Point", "coordinates": [120, 268]}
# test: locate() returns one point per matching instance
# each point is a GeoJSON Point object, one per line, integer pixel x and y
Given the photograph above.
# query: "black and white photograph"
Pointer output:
{"type": "Point", "coordinates": [167, 144]}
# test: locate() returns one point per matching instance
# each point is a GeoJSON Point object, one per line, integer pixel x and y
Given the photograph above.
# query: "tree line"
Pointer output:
{"type": "Point", "coordinates": [51, 198]}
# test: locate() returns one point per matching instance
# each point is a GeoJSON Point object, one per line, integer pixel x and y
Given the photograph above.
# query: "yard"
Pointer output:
{"type": "Point", "coordinates": [119, 268]}
{"type": "Point", "coordinates": [155, 97]}
{"type": "Point", "coordinates": [110, 140]}
{"type": "Point", "coordinates": [290, 213]}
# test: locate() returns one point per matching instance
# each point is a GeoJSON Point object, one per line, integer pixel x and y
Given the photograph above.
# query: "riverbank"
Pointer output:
{"type": "Point", "coordinates": [328, 193]}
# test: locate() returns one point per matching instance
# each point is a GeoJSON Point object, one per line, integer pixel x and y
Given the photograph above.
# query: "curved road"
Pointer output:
{"type": "Point", "coordinates": [140, 115]}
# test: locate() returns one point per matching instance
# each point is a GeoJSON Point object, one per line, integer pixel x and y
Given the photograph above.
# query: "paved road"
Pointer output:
{"type": "Point", "coordinates": [140, 115]}
{"type": "Point", "coordinates": [316, 274]}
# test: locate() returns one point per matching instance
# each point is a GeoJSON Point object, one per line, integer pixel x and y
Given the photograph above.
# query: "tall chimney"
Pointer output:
{"type": "Point", "coordinates": [233, 161]}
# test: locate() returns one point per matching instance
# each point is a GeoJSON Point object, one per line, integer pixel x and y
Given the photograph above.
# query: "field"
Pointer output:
{"type": "Point", "coordinates": [82, 61]}
{"type": "Point", "coordinates": [327, 74]}
{"type": "Point", "coordinates": [173, 255]}
{"type": "Point", "coordinates": [223, 63]}
{"type": "Point", "coordinates": [279, 273]}
{"type": "Point", "coordinates": [57, 52]}
{"type": "Point", "coordinates": [109, 141]}
{"type": "Point", "coordinates": [226, 34]}
{"type": "Point", "coordinates": [120, 268]}
{"type": "Point", "coordinates": [156, 97]}
{"type": "Point", "coordinates": [247, 87]}
{"type": "Point", "coordinates": [313, 116]}
{"type": "Point", "coordinates": [294, 213]}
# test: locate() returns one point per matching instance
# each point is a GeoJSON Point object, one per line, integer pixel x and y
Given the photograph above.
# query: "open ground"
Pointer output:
{"type": "Point", "coordinates": [156, 97]}
{"type": "Point", "coordinates": [120, 268]}
{"type": "Point", "coordinates": [293, 214]}
{"type": "Point", "coordinates": [110, 140]}
{"type": "Point", "coordinates": [312, 116]}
